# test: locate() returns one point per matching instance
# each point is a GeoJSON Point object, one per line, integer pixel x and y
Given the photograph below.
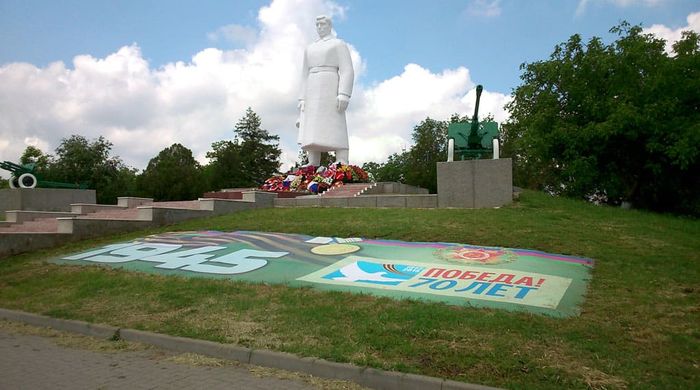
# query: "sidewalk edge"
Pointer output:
{"type": "Point", "coordinates": [370, 377]}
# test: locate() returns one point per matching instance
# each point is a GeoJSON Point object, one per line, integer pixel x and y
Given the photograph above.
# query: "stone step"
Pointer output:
{"type": "Point", "coordinates": [113, 214]}
{"type": "Point", "coordinates": [40, 225]}
{"type": "Point", "coordinates": [92, 220]}
{"type": "Point", "coordinates": [19, 216]}
{"type": "Point", "coordinates": [132, 201]}
{"type": "Point", "coordinates": [185, 204]}
{"type": "Point", "coordinates": [133, 213]}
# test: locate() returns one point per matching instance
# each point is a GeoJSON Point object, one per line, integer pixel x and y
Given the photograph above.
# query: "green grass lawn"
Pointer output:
{"type": "Point", "coordinates": [639, 326]}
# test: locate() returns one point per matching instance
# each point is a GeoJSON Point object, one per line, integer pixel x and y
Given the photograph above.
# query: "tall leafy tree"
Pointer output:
{"type": "Point", "coordinates": [372, 168]}
{"type": "Point", "coordinates": [173, 174]}
{"type": "Point", "coordinates": [225, 169]}
{"type": "Point", "coordinates": [80, 161]}
{"type": "Point", "coordinates": [617, 121]}
{"type": "Point", "coordinates": [122, 183]}
{"type": "Point", "coordinates": [34, 155]}
{"type": "Point", "coordinates": [430, 146]}
{"type": "Point", "coordinates": [41, 162]}
{"type": "Point", "coordinates": [259, 150]}
{"type": "Point", "coordinates": [248, 160]}
{"type": "Point", "coordinates": [418, 165]}
{"type": "Point", "coordinates": [394, 169]}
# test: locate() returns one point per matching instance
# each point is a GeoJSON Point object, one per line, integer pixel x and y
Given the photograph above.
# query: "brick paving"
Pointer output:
{"type": "Point", "coordinates": [35, 362]}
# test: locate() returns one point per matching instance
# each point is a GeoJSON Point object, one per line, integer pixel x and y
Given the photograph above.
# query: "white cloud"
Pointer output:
{"type": "Point", "coordinates": [673, 35]}
{"type": "Point", "coordinates": [37, 143]}
{"type": "Point", "coordinates": [234, 33]}
{"type": "Point", "coordinates": [142, 109]}
{"type": "Point", "coordinates": [382, 116]}
{"type": "Point", "coordinates": [484, 8]}
{"type": "Point", "coordinates": [583, 4]}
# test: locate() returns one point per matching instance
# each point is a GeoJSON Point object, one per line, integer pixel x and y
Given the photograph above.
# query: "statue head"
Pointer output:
{"type": "Point", "coordinates": [324, 25]}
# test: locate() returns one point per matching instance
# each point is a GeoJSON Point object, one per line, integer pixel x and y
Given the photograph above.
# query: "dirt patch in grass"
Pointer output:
{"type": "Point", "coordinates": [196, 360]}
{"type": "Point", "coordinates": [556, 356]}
{"type": "Point", "coordinates": [320, 383]}
{"type": "Point", "coordinates": [235, 328]}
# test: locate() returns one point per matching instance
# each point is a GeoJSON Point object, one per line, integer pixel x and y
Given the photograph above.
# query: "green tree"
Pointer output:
{"type": "Point", "coordinates": [34, 155]}
{"type": "Point", "coordinates": [80, 161]}
{"type": "Point", "coordinates": [173, 174]}
{"type": "Point", "coordinates": [372, 168]}
{"type": "Point", "coordinates": [617, 121]}
{"type": "Point", "coordinates": [418, 165]}
{"type": "Point", "coordinates": [259, 150]}
{"type": "Point", "coordinates": [4, 183]}
{"type": "Point", "coordinates": [42, 162]}
{"type": "Point", "coordinates": [122, 182]}
{"type": "Point", "coordinates": [225, 167]}
{"type": "Point", "coordinates": [394, 169]}
{"type": "Point", "coordinates": [247, 161]}
{"type": "Point", "coordinates": [430, 146]}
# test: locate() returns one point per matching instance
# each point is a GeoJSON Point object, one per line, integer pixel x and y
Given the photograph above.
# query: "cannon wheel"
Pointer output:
{"type": "Point", "coordinates": [27, 180]}
{"type": "Point", "coordinates": [14, 181]}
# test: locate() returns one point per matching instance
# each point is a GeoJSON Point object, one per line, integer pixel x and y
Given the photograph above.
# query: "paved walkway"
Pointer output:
{"type": "Point", "coordinates": [37, 362]}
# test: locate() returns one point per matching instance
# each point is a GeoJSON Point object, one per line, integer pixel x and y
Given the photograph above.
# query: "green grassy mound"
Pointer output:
{"type": "Point", "coordinates": [638, 326]}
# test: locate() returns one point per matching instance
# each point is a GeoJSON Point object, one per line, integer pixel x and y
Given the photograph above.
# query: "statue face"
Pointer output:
{"type": "Point", "coordinates": [323, 28]}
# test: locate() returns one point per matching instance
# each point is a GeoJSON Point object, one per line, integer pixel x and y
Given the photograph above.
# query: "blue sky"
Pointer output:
{"type": "Point", "coordinates": [452, 45]}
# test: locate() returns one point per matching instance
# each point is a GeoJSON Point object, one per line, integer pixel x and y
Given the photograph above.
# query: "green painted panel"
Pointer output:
{"type": "Point", "coordinates": [457, 274]}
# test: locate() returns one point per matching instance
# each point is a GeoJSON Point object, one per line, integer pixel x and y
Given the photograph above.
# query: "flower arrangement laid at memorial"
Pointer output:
{"type": "Point", "coordinates": [316, 180]}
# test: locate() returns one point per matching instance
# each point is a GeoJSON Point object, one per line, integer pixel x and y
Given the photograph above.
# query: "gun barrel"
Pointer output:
{"type": "Point", "coordinates": [474, 139]}
{"type": "Point", "coordinates": [10, 166]}
{"type": "Point", "coordinates": [479, 89]}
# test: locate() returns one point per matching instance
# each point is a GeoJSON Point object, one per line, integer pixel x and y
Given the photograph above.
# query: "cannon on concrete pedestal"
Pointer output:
{"type": "Point", "coordinates": [472, 139]}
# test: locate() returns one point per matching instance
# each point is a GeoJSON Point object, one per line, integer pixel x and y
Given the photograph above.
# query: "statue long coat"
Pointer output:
{"type": "Point", "coordinates": [327, 72]}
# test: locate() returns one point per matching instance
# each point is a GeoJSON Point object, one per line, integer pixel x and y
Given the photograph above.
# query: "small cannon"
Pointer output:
{"type": "Point", "coordinates": [472, 139]}
{"type": "Point", "coordinates": [25, 176]}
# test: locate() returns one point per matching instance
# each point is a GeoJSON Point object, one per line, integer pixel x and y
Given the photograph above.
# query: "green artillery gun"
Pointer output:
{"type": "Point", "coordinates": [25, 176]}
{"type": "Point", "coordinates": [472, 139]}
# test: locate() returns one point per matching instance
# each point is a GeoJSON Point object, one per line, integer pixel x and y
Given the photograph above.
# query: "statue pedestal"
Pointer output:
{"type": "Point", "coordinates": [43, 199]}
{"type": "Point", "coordinates": [475, 183]}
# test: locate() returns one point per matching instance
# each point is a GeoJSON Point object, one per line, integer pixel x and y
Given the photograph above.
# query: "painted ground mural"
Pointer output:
{"type": "Point", "coordinates": [457, 274]}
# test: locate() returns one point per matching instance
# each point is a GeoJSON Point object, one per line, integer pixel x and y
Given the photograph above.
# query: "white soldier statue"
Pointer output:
{"type": "Point", "coordinates": [326, 89]}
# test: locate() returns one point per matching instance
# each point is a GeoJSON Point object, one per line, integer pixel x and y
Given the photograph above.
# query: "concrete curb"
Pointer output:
{"type": "Point", "coordinates": [369, 377]}
{"type": "Point", "coordinates": [85, 328]}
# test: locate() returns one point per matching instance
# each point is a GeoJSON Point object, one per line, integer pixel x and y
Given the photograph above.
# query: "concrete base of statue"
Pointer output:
{"type": "Point", "coordinates": [44, 199]}
{"type": "Point", "coordinates": [475, 183]}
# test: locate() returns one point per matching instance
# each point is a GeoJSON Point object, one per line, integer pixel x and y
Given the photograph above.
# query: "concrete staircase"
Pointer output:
{"type": "Point", "coordinates": [348, 190]}
{"type": "Point", "coordinates": [25, 231]}
{"type": "Point", "coordinates": [366, 195]}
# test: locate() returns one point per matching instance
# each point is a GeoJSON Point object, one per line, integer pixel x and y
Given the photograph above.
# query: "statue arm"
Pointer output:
{"type": "Point", "coordinates": [346, 77]}
{"type": "Point", "coordinates": [304, 77]}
